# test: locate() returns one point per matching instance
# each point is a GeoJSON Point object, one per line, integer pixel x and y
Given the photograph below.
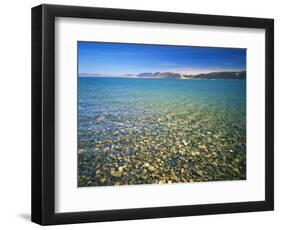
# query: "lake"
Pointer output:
{"type": "Point", "coordinates": [158, 131]}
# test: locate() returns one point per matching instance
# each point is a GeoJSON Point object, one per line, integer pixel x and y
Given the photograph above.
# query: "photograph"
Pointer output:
{"type": "Point", "coordinates": [160, 114]}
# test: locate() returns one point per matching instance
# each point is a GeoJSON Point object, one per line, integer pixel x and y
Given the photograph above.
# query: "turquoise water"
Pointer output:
{"type": "Point", "coordinates": [143, 131]}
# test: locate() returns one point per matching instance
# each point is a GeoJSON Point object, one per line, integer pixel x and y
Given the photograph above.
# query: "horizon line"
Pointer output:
{"type": "Point", "coordinates": [154, 72]}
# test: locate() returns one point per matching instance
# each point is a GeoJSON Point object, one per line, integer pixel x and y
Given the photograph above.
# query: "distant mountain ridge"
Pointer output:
{"type": "Point", "coordinates": [223, 75]}
{"type": "Point", "coordinates": [161, 75]}
{"type": "Point", "coordinates": [238, 75]}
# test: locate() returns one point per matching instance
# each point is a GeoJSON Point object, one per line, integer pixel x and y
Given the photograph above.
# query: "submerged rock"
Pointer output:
{"type": "Point", "coordinates": [116, 173]}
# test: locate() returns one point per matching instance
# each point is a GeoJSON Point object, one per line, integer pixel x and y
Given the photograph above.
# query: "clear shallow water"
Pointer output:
{"type": "Point", "coordinates": [143, 131]}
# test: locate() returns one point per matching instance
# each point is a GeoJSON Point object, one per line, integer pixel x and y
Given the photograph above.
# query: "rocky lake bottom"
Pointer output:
{"type": "Point", "coordinates": [148, 131]}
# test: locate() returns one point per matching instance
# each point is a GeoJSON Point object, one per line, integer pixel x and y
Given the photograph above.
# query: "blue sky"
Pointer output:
{"type": "Point", "coordinates": [119, 58]}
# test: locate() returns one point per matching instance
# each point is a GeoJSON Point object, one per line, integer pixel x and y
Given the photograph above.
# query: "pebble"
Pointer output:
{"type": "Point", "coordinates": [202, 147]}
{"type": "Point", "coordinates": [116, 173]}
{"type": "Point", "coordinates": [184, 142]}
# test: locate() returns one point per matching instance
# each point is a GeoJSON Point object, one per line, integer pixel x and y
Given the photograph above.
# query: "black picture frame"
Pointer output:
{"type": "Point", "coordinates": [43, 114]}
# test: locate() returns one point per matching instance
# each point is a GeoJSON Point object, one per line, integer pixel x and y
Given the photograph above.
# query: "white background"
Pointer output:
{"type": "Point", "coordinates": [15, 114]}
{"type": "Point", "coordinates": [71, 199]}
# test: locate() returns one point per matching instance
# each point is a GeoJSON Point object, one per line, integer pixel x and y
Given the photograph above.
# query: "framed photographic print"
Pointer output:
{"type": "Point", "coordinates": [142, 114]}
